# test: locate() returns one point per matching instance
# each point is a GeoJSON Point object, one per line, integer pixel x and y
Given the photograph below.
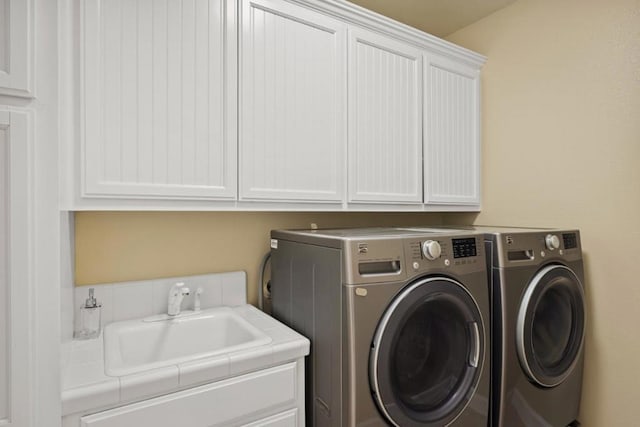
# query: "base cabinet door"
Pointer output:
{"type": "Point", "coordinates": [451, 132]}
{"type": "Point", "coordinates": [155, 122]}
{"type": "Point", "coordinates": [239, 400]}
{"type": "Point", "coordinates": [292, 103]}
{"type": "Point", "coordinates": [385, 119]}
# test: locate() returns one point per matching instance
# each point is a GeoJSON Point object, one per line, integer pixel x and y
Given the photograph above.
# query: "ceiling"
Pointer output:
{"type": "Point", "coordinates": [437, 17]}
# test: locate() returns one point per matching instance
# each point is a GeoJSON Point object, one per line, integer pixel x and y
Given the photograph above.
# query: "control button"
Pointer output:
{"type": "Point", "coordinates": [431, 250]}
{"type": "Point", "coordinates": [416, 265]}
{"type": "Point", "coordinates": [447, 262]}
{"type": "Point", "coordinates": [543, 254]}
{"type": "Point", "coordinates": [552, 242]}
{"type": "Point", "coordinates": [361, 292]}
{"type": "Point", "coordinates": [561, 252]}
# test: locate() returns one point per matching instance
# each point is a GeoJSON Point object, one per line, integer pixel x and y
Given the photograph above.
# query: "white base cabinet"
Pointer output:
{"type": "Point", "coordinates": [272, 397]}
{"type": "Point", "coordinates": [288, 418]}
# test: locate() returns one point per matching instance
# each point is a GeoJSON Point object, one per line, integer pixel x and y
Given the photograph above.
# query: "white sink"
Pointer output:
{"type": "Point", "coordinates": [138, 345]}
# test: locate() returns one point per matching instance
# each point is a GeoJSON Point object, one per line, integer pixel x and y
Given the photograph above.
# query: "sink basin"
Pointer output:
{"type": "Point", "coordinates": [138, 345]}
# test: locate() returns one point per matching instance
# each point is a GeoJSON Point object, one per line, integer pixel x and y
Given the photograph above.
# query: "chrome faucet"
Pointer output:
{"type": "Point", "coordinates": [176, 294]}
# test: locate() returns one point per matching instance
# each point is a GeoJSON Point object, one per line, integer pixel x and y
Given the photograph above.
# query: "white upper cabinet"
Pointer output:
{"type": "Point", "coordinates": [16, 41]}
{"type": "Point", "coordinates": [155, 118]}
{"type": "Point", "coordinates": [385, 119]}
{"type": "Point", "coordinates": [452, 132]}
{"type": "Point", "coordinates": [259, 104]}
{"type": "Point", "coordinates": [292, 142]}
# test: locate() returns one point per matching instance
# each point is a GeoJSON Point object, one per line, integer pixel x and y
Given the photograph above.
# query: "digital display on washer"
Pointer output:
{"type": "Point", "coordinates": [570, 240]}
{"type": "Point", "coordinates": [463, 248]}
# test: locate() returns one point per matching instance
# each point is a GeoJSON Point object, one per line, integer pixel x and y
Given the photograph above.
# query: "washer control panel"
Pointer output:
{"type": "Point", "coordinates": [464, 248]}
{"type": "Point", "coordinates": [463, 252]}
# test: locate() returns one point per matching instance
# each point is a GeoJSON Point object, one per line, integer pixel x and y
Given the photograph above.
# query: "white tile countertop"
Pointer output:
{"type": "Point", "coordinates": [86, 387]}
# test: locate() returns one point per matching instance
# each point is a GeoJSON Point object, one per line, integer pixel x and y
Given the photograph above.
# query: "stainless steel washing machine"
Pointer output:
{"type": "Point", "coordinates": [398, 323]}
{"type": "Point", "coordinates": [538, 325]}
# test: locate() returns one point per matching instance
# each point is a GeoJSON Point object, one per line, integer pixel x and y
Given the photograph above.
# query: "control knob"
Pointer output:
{"type": "Point", "coordinates": [552, 242]}
{"type": "Point", "coordinates": [431, 249]}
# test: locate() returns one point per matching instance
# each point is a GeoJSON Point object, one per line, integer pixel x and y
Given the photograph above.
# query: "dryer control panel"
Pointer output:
{"type": "Point", "coordinates": [526, 247]}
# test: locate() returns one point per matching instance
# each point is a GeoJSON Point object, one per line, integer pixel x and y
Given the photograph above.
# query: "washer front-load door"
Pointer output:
{"type": "Point", "coordinates": [550, 328]}
{"type": "Point", "coordinates": [427, 354]}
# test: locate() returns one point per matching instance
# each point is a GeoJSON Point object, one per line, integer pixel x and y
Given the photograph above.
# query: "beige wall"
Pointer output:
{"type": "Point", "coordinates": [122, 246]}
{"type": "Point", "coordinates": [561, 146]}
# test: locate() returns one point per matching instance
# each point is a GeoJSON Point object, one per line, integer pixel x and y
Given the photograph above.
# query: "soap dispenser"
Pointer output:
{"type": "Point", "coordinates": [90, 314]}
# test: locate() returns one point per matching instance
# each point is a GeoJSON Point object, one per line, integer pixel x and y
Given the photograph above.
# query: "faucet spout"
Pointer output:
{"type": "Point", "coordinates": [176, 295]}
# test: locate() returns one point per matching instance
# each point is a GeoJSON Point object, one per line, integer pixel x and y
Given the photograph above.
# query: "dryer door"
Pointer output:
{"type": "Point", "coordinates": [427, 354]}
{"type": "Point", "coordinates": [551, 324]}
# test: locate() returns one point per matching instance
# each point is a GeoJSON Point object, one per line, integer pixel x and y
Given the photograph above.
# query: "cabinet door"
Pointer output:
{"type": "Point", "coordinates": [452, 132]}
{"type": "Point", "coordinates": [155, 119]}
{"type": "Point", "coordinates": [385, 119]}
{"type": "Point", "coordinates": [229, 402]}
{"type": "Point", "coordinates": [293, 104]}
{"type": "Point", "coordinates": [15, 286]}
{"type": "Point", "coordinates": [16, 41]}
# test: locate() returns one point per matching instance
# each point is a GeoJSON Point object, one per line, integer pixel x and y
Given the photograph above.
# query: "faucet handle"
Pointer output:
{"type": "Point", "coordinates": [178, 289]}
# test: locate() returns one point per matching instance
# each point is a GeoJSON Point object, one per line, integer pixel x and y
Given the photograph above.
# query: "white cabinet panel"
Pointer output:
{"type": "Point", "coordinates": [385, 119]}
{"type": "Point", "coordinates": [15, 354]}
{"type": "Point", "coordinates": [292, 94]}
{"type": "Point", "coordinates": [452, 132]}
{"type": "Point", "coordinates": [285, 419]}
{"type": "Point", "coordinates": [217, 404]}
{"type": "Point", "coordinates": [154, 88]}
{"type": "Point", "coordinates": [16, 50]}
{"type": "Point", "coordinates": [5, 321]}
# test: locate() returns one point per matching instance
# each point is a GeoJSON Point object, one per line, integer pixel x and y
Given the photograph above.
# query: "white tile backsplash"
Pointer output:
{"type": "Point", "coordinates": [230, 292]}
{"type": "Point", "coordinates": [212, 295]}
{"type": "Point", "coordinates": [131, 300]}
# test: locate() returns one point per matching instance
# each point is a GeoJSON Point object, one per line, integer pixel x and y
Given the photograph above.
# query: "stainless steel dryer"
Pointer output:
{"type": "Point", "coordinates": [538, 325]}
{"type": "Point", "coordinates": [398, 323]}
{"type": "Point", "coordinates": [539, 306]}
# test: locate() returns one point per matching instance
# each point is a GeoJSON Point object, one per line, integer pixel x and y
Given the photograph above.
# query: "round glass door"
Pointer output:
{"type": "Point", "coordinates": [550, 328]}
{"type": "Point", "coordinates": [427, 353]}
